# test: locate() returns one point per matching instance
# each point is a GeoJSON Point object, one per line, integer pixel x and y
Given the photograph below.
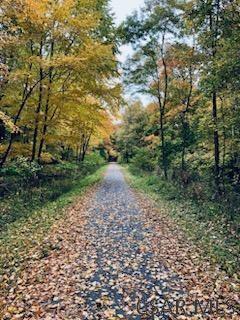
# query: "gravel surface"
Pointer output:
{"type": "Point", "coordinates": [123, 275]}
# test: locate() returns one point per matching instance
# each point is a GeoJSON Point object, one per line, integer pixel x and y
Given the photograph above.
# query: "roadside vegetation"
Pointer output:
{"type": "Point", "coordinates": [28, 215]}
{"type": "Point", "coordinates": [27, 187]}
{"type": "Point", "coordinates": [205, 222]}
{"type": "Point", "coordinates": [184, 145]}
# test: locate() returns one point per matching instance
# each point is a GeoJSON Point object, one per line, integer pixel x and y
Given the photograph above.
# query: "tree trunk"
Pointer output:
{"type": "Point", "coordinates": [45, 123]}
{"type": "Point", "coordinates": [185, 122]}
{"type": "Point", "coordinates": [44, 132]}
{"type": "Point", "coordinates": [162, 137]}
{"type": "Point", "coordinates": [81, 148]}
{"type": "Point", "coordinates": [183, 149]}
{"type": "Point", "coordinates": [216, 142]}
{"type": "Point", "coordinates": [39, 106]}
{"type": "Point", "coordinates": [214, 32]}
{"type": "Point", "coordinates": [45, 128]}
{"type": "Point", "coordinates": [162, 133]}
{"type": "Point", "coordinates": [224, 146]}
{"type": "Point", "coordinates": [162, 106]}
{"type": "Point", "coordinates": [86, 146]}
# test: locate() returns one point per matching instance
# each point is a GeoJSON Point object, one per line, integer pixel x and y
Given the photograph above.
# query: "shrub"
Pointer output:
{"type": "Point", "coordinates": [26, 186]}
{"type": "Point", "coordinates": [92, 162]}
{"type": "Point", "coordinates": [143, 160]}
{"type": "Point", "coordinates": [22, 168]}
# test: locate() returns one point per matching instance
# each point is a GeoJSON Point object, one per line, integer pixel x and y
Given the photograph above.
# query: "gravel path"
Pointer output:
{"type": "Point", "coordinates": [122, 273]}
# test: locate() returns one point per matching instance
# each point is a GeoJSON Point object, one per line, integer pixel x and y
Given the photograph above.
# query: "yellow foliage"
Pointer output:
{"type": "Point", "coordinates": [8, 122]}
{"type": "Point", "coordinates": [62, 84]}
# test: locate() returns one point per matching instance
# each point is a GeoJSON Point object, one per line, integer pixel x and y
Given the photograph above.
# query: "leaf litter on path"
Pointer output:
{"type": "Point", "coordinates": [115, 256]}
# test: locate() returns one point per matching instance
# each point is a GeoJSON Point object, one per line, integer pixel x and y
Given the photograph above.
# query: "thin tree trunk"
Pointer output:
{"type": "Point", "coordinates": [214, 31]}
{"type": "Point", "coordinates": [224, 146]}
{"type": "Point", "coordinates": [39, 106]}
{"type": "Point", "coordinates": [161, 104]}
{"type": "Point", "coordinates": [81, 148]}
{"type": "Point", "coordinates": [77, 153]}
{"type": "Point", "coordinates": [85, 148]}
{"type": "Point", "coordinates": [45, 124]}
{"type": "Point", "coordinates": [216, 142]}
{"type": "Point", "coordinates": [162, 109]}
{"type": "Point", "coordinates": [45, 128]}
{"type": "Point", "coordinates": [44, 131]}
{"type": "Point", "coordinates": [183, 150]}
{"type": "Point", "coordinates": [184, 118]}
{"type": "Point", "coordinates": [162, 137]}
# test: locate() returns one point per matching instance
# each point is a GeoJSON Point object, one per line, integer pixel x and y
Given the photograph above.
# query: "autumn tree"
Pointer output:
{"type": "Point", "coordinates": [185, 57]}
{"type": "Point", "coordinates": [63, 56]}
{"type": "Point", "coordinates": [151, 33]}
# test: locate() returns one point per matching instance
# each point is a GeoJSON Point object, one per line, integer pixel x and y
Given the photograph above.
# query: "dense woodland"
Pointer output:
{"type": "Point", "coordinates": [58, 67]}
{"type": "Point", "coordinates": [58, 93]}
{"type": "Point", "coordinates": [61, 95]}
{"type": "Point", "coordinates": [186, 59]}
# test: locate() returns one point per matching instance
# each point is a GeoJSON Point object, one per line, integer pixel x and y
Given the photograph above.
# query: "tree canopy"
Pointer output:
{"type": "Point", "coordinates": [58, 71]}
{"type": "Point", "coordinates": [186, 60]}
